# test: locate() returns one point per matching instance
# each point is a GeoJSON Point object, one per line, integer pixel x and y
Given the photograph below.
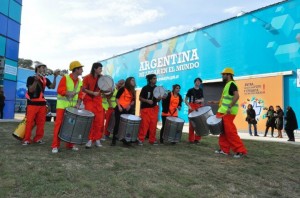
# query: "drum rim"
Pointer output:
{"type": "Point", "coordinates": [169, 117]}
{"type": "Point", "coordinates": [159, 87]}
{"type": "Point", "coordinates": [91, 113]}
{"type": "Point", "coordinates": [112, 80]}
{"type": "Point", "coordinates": [198, 111]}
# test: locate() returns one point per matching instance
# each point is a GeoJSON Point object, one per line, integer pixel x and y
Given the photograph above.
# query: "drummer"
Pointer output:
{"type": "Point", "coordinates": [194, 99]}
{"type": "Point", "coordinates": [228, 109]}
{"type": "Point", "coordinates": [125, 103]}
{"type": "Point", "coordinates": [109, 103]}
{"type": "Point", "coordinates": [36, 103]}
{"type": "Point", "coordinates": [93, 102]}
{"type": "Point", "coordinates": [170, 107]}
{"type": "Point", "coordinates": [67, 94]}
{"type": "Point", "coordinates": [149, 111]}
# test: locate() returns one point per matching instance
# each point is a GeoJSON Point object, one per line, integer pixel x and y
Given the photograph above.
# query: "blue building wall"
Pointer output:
{"type": "Point", "coordinates": [10, 22]}
{"type": "Point", "coordinates": [260, 42]}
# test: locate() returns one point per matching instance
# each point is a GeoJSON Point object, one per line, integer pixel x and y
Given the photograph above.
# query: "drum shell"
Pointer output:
{"type": "Point", "coordinates": [173, 129]}
{"type": "Point", "coordinates": [111, 123]}
{"type": "Point", "coordinates": [128, 129]}
{"type": "Point", "coordinates": [215, 125]}
{"type": "Point", "coordinates": [19, 132]}
{"type": "Point", "coordinates": [75, 128]}
{"type": "Point", "coordinates": [199, 122]}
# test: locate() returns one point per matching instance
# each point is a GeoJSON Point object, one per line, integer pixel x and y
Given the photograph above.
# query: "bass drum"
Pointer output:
{"type": "Point", "coordinates": [129, 127]}
{"type": "Point", "coordinates": [76, 125]}
{"type": "Point", "coordinates": [198, 119]}
{"type": "Point", "coordinates": [106, 84]}
{"type": "Point", "coordinates": [173, 129]}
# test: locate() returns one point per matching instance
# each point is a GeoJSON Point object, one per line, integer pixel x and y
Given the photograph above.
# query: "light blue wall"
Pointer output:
{"type": "Point", "coordinates": [247, 43]}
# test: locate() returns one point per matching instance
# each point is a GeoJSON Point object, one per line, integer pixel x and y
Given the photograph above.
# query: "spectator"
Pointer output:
{"type": "Point", "coordinates": [270, 121]}
{"type": "Point", "coordinates": [251, 114]}
{"type": "Point", "coordinates": [291, 123]}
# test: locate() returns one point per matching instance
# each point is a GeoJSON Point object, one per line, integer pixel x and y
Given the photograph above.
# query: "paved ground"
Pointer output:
{"type": "Point", "coordinates": [242, 134]}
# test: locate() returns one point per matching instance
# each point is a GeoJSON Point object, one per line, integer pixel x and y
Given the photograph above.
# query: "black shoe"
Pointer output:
{"type": "Point", "coordinates": [256, 135]}
{"type": "Point", "coordinates": [196, 142]}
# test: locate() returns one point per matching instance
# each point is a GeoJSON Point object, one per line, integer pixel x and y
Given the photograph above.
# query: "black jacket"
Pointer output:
{"type": "Point", "coordinates": [291, 120]}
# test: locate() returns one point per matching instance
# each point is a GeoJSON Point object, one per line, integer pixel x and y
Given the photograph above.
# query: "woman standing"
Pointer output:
{"type": "Point", "coordinates": [291, 123]}
{"type": "Point", "coordinates": [270, 121]}
{"type": "Point", "coordinates": [279, 120]}
{"type": "Point", "coordinates": [170, 107]}
{"type": "Point", "coordinates": [125, 99]}
{"type": "Point", "coordinates": [251, 114]}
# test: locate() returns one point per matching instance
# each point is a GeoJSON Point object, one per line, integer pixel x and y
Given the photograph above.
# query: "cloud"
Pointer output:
{"type": "Point", "coordinates": [233, 10]}
{"type": "Point", "coordinates": [126, 12]}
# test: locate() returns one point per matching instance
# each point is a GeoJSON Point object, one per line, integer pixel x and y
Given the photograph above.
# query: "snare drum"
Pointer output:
{"type": "Point", "coordinates": [76, 125]}
{"type": "Point", "coordinates": [173, 129]}
{"type": "Point", "coordinates": [215, 125]}
{"type": "Point", "coordinates": [111, 123]}
{"type": "Point", "coordinates": [159, 91]}
{"type": "Point", "coordinates": [106, 84]}
{"type": "Point", "coordinates": [198, 119]}
{"type": "Point", "coordinates": [129, 127]}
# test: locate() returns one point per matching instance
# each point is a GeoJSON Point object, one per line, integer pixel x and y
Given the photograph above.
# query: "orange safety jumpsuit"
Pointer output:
{"type": "Point", "coordinates": [36, 110]}
{"type": "Point", "coordinates": [149, 115]}
{"type": "Point", "coordinates": [94, 105]}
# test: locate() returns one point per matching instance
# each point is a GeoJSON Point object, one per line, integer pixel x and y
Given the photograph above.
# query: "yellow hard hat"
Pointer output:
{"type": "Point", "coordinates": [75, 64]}
{"type": "Point", "coordinates": [228, 70]}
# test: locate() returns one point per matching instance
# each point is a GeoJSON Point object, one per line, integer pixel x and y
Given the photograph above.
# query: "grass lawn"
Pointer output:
{"type": "Point", "coordinates": [182, 170]}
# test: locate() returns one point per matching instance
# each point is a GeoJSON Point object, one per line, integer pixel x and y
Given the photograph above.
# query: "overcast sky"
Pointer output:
{"type": "Point", "coordinates": [57, 32]}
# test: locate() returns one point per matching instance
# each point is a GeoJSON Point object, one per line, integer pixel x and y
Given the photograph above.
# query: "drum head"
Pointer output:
{"type": "Point", "coordinates": [175, 119]}
{"type": "Point", "coordinates": [106, 83]}
{"type": "Point", "coordinates": [159, 91]}
{"type": "Point", "coordinates": [130, 117]}
{"type": "Point", "coordinates": [80, 112]}
{"type": "Point", "coordinates": [200, 111]}
{"type": "Point", "coordinates": [212, 120]}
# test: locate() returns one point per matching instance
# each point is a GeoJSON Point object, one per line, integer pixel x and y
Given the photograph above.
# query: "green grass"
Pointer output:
{"type": "Point", "coordinates": [183, 170]}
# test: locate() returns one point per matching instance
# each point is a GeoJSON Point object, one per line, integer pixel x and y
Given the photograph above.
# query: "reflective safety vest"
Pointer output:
{"type": "Point", "coordinates": [63, 101]}
{"type": "Point", "coordinates": [226, 99]}
{"type": "Point", "coordinates": [126, 98]}
{"type": "Point", "coordinates": [113, 102]}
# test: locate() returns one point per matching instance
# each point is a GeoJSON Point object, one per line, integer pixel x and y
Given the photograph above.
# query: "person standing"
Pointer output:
{"type": "Point", "coordinates": [93, 102]}
{"type": "Point", "coordinates": [170, 106]}
{"type": "Point", "coordinates": [67, 96]}
{"type": "Point", "coordinates": [36, 103]}
{"type": "Point", "coordinates": [279, 120]}
{"type": "Point", "coordinates": [228, 109]}
{"type": "Point", "coordinates": [149, 111]}
{"type": "Point", "coordinates": [194, 99]}
{"type": "Point", "coordinates": [2, 103]}
{"type": "Point", "coordinates": [109, 104]}
{"type": "Point", "coordinates": [125, 102]}
{"type": "Point", "coordinates": [291, 123]}
{"type": "Point", "coordinates": [270, 122]}
{"type": "Point", "coordinates": [251, 114]}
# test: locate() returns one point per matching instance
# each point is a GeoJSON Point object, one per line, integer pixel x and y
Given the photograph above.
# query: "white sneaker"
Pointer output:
{"type": "Point", "coordinates": [220, 152]}
{"type": "Point", "coordinates": [75, 148]}
{"type": "Point", "coordinates": [98, 143]}
{"type": "Point", "coordinates": [55, 150]}
{"type": "Point", "coordinates": [88, 144]}
{"type": "Point", "coordinates": [26, 143]}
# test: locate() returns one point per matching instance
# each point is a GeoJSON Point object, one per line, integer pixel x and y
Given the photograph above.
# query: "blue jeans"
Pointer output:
{"type": "Point", "coordinates": [255, 129]}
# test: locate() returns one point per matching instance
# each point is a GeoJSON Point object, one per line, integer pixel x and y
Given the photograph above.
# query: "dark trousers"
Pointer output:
{"type": "Point", "coordinates": [267, 129]}
{"type": "Point", "coordinates": [163, 118]}
{"type": "Point", "coordinates": [117, 122]}
{"type": "Point", "coordinates": [290, 134]}
{"type": "Point", "coordinates": [1, 111]}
